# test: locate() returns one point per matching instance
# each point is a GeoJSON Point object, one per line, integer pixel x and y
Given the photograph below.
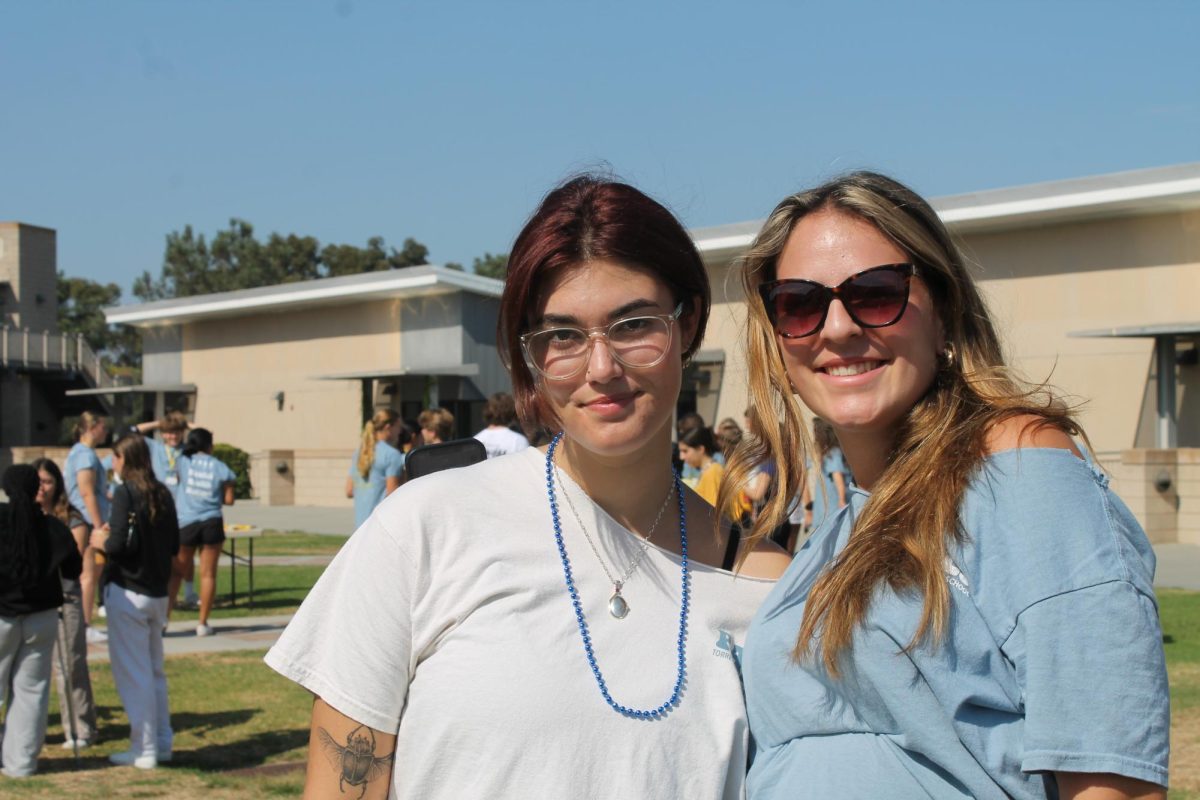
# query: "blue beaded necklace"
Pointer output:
{"type": "Point", "coordinates": [685, 593]}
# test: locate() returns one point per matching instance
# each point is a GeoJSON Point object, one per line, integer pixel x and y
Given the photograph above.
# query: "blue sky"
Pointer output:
{"type": "Point", "coordinates": [447, 121]}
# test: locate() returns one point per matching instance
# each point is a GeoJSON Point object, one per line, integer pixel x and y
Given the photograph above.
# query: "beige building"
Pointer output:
{"type": "Point", "coordinates": [1095, 284]}
{"type": "Point", "coordinates": [289, 373]}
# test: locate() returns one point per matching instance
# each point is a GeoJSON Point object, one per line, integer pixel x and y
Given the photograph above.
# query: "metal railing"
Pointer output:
{"type": "Point", "coordinates": [53, 351]}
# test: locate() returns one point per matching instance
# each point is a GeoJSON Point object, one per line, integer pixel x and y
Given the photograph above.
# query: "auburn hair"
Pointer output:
{"type": "Point", "coordinates": [591, 218]}
{"type": "Point", "coordinates": [904, 533]}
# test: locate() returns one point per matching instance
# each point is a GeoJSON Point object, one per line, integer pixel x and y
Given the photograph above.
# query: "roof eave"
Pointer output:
{"type": "Point", "coordinates": [432, 281]}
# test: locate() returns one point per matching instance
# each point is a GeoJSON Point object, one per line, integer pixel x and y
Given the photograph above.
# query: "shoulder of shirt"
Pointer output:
{"type": "Point", "coordinates": [1027, 431]}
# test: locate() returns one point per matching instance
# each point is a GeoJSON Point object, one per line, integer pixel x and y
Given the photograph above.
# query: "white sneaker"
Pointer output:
{"type": "Point", "coordinates": [204, 630]}
{"type": "Point", "coordinates": [96, 635]}
{"type": "Point", "coordinates": [102, 612]}
{"type": "Point", "coordinates": [128, 759]}
{"type": "Point", "coordinates": [71, 744]}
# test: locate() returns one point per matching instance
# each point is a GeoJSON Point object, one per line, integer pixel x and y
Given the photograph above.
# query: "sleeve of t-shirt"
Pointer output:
{"type": "Point", "coordinates": [226, 475]}
{"type": "Point", "coordinates": [181, 468]}
{"type": "Point", "coordinates": [1091, 668]}
{"type": "Point", "coordinates": [835, 461]}
{"type": "Point", "coordinates": [395, 464]}
{"type": "Point", "coordinates": [351, 641]}
{"type": "Point", "coordinates": [354, 473]}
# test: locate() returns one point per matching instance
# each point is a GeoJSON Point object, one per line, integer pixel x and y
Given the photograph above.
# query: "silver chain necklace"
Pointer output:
{"type": "Point", "coordinates": [618, 606]}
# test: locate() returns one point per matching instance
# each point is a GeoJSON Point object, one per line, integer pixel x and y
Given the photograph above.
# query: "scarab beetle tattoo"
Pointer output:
{"type": "Point", "coordinates": [355, 761]}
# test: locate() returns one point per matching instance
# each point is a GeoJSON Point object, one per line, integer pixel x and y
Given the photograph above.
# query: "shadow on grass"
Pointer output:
{"type": "Point", "coordinates": [247, 752]}
{"type": "Point", "coordinates": [252, 751]}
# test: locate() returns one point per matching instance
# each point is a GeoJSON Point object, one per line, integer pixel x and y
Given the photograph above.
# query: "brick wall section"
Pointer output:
{"type": "Point", "coordinates": [321, 477]}
{"type": "Point", "coordinates": [26, 455]}
{"type": "Point", "coordinates": [270, 484]}
{"type": "Point", "coordinates": [1189, 494]}
{"type": "Point", "coordinates": [1158, 511]}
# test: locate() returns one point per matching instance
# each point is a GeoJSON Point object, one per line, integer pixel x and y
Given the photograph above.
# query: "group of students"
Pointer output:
{"type": "Point", "coordinates": [972, 616]}
{"type": "Point", "coordinates": [64, 537]}
{"type": "Point", "coordinates": [377, 468]}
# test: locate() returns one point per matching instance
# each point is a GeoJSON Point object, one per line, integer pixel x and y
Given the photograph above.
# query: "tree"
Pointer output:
{"type": "Point", "coordinates": [81, 304]}
{"type": "Point", "coordinates": [491, 266]}
{"type": "Point", "coordinates": [236, 259]}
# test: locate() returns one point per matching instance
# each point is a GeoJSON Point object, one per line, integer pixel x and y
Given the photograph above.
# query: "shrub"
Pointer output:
{"type": "Point", "coordinates": [238, 461]}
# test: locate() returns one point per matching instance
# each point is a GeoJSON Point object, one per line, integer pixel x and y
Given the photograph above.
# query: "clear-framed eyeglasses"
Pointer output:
{"type": "Point", "coordinates": [562, 352]}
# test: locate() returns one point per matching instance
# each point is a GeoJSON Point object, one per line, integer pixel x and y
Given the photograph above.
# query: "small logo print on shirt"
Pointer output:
{"type": "Point", "coordinates": [725, 648]}
{"type": "Point", "coordinates": [956, 578]}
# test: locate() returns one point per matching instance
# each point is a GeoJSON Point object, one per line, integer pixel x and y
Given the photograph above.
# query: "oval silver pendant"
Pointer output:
{"type": "Point", "coordinates": [617, 606]}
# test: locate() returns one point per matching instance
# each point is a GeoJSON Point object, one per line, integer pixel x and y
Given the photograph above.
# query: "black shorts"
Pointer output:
{"type": "Point", "coordinates": [208, 531]}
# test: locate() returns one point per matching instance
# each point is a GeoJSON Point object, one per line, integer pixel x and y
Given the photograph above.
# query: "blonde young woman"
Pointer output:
{"type": "Point", "coordinates": [378, 464]}
{"type": "Point", "coordinates": [553, 622]}
{"type": "Point", "coordinates": [979, 620]}
{"type": "Point", "coordinates": [87, 490]}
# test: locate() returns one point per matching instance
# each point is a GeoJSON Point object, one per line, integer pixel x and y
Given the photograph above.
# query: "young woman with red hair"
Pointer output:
{"type": "Point", "coordinates": [554, 622]}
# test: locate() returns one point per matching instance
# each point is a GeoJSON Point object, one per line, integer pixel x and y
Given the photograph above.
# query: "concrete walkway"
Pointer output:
{"type": "Point", "coordinates": [236, 633]}
{"type": "Point", "coordinates": [1178, 566]}
{"type": "Point", "coordinates": [311, 519]}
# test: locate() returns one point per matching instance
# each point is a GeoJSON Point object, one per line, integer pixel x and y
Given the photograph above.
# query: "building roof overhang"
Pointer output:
{"type": "Point", "coordinates": [1134, 193]}
{"type": "Point", "coordinates": [1141, 331]}
{"type": "Point", "coordinates": [462, 370]}
{"type": "Point", "coordinates": [410, 282]}
{"type": "Point", "coordinates": [137, 388]}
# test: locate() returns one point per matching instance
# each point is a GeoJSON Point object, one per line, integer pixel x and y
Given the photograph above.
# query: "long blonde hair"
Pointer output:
{"type": "Point", "coordinates": [366, 451]}
{"type": "Point", "coordinates": [903, 535]}
{"type": "Point", "coordinates": [87, 420]}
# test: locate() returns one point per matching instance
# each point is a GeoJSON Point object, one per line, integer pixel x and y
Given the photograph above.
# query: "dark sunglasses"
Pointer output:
{"type": "Point", "coordinates": [874, 298]}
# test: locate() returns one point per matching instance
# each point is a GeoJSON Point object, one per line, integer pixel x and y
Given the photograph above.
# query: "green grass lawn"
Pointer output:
{"type": "Point", "coordinates": [231, 714]}
{"type": "Point", "coordinates": [294, 543]}
{"type": "Point", "coordinates": [277, 590]}
{"type": "Point", "coordinates": [1180, 614]}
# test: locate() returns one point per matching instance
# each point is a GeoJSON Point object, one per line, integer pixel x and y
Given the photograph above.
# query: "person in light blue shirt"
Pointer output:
{"type": "Point", "coordinates": [165, 454]}
{"type": "Point", "coordinates": [87, 489]}
{"type": "Point", "coordinates": [378, 466]}
{"type": "Point", "coordinates": [830, 487]}
{"type": "Point", "coordinates": [205, 484]}
{"type": "Point", "coordinates": [164, 459]}
{"type": "Point", "coordinates": [979, 621]}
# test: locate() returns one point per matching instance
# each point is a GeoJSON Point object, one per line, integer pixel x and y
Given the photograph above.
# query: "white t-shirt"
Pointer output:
{"type": "Point", "coordinates": [501, 441]}
{"type": "Point", "coordinates": [446, 618]}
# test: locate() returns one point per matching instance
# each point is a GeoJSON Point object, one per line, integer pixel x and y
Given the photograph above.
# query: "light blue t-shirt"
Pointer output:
{"type": "Point", "coordinates": [164, 460]}
{"type": "Point", "coordinates": [1052, 660]}
{"type": "Point", "coordinates": [201, 488]}
{"type": "Point", "coordinates": [79, 458]}
{"type": "Point", "coordinates": [388, 463]}
{"type": "Point", "coordinates": [825, 500]}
